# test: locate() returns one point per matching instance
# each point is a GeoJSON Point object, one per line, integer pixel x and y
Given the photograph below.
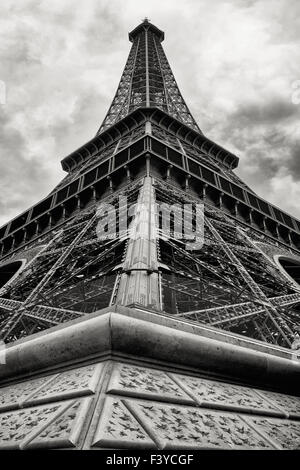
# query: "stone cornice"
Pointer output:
{"type": "Point", "coordinates": [152, 338]}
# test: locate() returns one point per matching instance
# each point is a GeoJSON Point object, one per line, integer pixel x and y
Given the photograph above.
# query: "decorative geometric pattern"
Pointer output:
{"type": "Point", "coordinates": [19, 426]}
{"type": "Point", "coordinates": [143, 382]}
{"type": "Point", "coordinates": [75, 382]}
{"type": "Point", "coordinates": [145, 421]}
{"type": "Point", "coordinates": [119, 429]}
{"type": "Point", "coordinates": [65, 430]}
{"type": "Point", "coordinates": [283, 434]}
{"type": "Point", "coordinates": [212, 394]}
{"type": "Point", "coordinates": [12, 396]}
{"type": "Point", "coordinates": [174, 426]}
{"type": "Point", "coordinates": [288, 403]}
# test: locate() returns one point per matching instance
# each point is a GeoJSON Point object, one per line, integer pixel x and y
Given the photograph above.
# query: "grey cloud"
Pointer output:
{"type": "Point", "coordinates": [265, 113]}
{"type": "Point", "coordinates": [294, 160]}
{"type": "Point", "coordinates": [21, 180]}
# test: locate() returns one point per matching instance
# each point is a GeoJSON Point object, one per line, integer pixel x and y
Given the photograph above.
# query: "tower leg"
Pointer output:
{"type": "Point", "coordinates": [139, 282]}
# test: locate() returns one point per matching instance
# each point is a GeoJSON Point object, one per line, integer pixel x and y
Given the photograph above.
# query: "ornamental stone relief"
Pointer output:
{"type": "Point", "coordinates": [145, 382]}
{"type": "Point", "coordinates": [175, 426]}
{"type": "Point", "coordinates": [118, 428]}
{"type": "Point", "coordinates": [18, 426]}
{"type": "Point", "coordinates": [65, 430]}
{"type": "Point", "coordinates": [12, 396]}
{"type": "Point", "coordinates": [144, 407]}
{"type": "Point", "coordinates": [75, 382]}
{"type": "Point", "coordinates": [210, 393]}
{"type": "Point", "coordinates": [282, 433]}
{"type": "Point", "coordinates": [288, 403]}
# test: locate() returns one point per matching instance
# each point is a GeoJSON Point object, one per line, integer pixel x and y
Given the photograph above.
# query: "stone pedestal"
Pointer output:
{"type": "Point", "coordinates": [130, 378]}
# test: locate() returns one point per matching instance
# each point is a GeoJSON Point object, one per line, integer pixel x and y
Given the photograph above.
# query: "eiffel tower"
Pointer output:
{"type": "Point", "coordinates": [137, 317]}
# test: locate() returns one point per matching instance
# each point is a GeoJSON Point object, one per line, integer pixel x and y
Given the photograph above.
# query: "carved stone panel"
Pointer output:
{"type": "Point", "coordinates": [213, 394]}
{"type": "Point", "coordinates": [75, 382]}
{"type": "Point", "coordinates": [12, 396]}
{"type": "Point", "coordinates": [175, 426]}
{"type": "Point", "coordinates": [65, 430]}
{"type": "Point", "coordinates": [144, 382]}
{"type": "Point", "coordinates": [282, 433]}
{"type": "Point", "coordinates": [289, 404]}
{"type": "Point", "coordinates": [117, 428]}
{"type": "Point", "coordinates": [20, 425]}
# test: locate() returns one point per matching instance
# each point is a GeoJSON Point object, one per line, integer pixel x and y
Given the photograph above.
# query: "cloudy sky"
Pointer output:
{"type": "Point", "coordinates": [236, 63]}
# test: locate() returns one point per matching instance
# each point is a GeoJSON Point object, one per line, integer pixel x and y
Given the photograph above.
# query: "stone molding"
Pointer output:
{"type": "Point", "coordinates": [119, 335]}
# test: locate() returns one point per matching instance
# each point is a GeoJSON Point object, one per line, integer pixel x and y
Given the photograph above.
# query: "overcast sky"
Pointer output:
{"type": "Point", "coordinates": [235, 61]}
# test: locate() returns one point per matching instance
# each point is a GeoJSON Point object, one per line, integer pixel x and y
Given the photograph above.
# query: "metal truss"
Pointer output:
{"type": "Point", "coordinates": [232, 315]}
{"type": "Point", "coordinates": [229, 283]}
{"type": "Point", "coordinates": [176, 105]}
{"type": "Point", "coordinates": [41, 313]}
{"type": "Point", "coordinates": [72, 275]}
{"type": "Point", "coordinates": [120, 104]}
{"type": "Point", "coordinates": [148, 81]}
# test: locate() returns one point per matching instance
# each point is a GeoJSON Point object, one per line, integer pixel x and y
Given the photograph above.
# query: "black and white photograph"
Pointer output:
{"type": "Point", "coordinates": [150, 230]}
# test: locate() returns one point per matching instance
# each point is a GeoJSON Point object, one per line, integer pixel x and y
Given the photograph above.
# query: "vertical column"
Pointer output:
{"type": "Point", "coordinates": [147, 69]}
{"type": "Point", "coordinates": [139, 283]}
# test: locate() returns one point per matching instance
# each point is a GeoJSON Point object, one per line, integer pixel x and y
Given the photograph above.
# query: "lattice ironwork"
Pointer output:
{"type": "Point", "coordinates": [150, 150]}
{"type": "Point", "coordinates": [147, 81]}
{"type": "Point", "coordinates": [74, 271]}
{"type": "Point", "coordinates": [229, 283]}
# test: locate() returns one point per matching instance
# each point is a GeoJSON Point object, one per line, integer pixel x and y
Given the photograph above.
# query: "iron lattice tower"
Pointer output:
{"type": "Point", "coordinates": [149, 149]}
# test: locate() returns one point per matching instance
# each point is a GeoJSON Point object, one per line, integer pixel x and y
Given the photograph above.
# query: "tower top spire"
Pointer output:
{"type": "Point", "coordinates": [147, 80]}
{"type": "Point", "coordinates": [146, 26]}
